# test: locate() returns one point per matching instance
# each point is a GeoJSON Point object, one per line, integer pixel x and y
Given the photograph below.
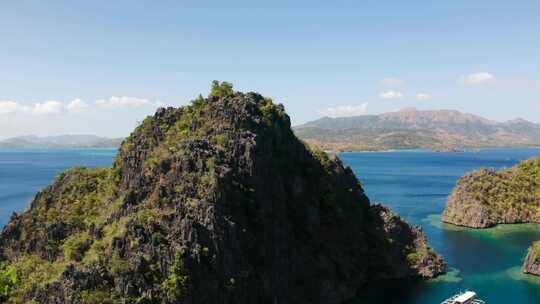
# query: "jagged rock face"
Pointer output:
{"type": "Point", "coordinates": [218, 202]}
{"type": "Point", "coordinates": [532, 261]}
{"type": "Point", "coordinates": [486, 197]}
{"type": "Point", "coordinates": [459, 208]}
{"type": "Point", "coordinates": [397, 235]}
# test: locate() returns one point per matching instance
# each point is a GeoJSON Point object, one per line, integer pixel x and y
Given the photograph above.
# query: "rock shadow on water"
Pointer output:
{"type": "Point", "coordinates": [393, 292]}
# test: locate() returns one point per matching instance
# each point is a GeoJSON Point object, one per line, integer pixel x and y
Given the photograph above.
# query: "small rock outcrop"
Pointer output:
{"type": "Point", "coordinates": [391, 228]}
{"type": "Point", "coordinates": [486, 197]}
{"type": "Point", "coordinates": [217, 202]}
{"type": "Point", "coordinates": [532, 261]}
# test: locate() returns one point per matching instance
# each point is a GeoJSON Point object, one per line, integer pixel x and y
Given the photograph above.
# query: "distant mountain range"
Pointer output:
{"type": "Point", "coordinates": [60, 142]}
{"type": "Point", "coordinates": [414, 129]}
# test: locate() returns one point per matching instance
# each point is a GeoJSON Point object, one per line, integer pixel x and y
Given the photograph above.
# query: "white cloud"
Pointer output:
{"type": "Point", "coordinates": [392, 81]}
{"type": "Point", "coordinates": [344, 111]}
{"type": "Point", "coordinates": [48, 107]}
{"type": "Point", "coordinates": [8, 106]}
{"type": "Point", "coordinates": [537, 82]}
{"type": "Point", "coordinates": [477, 78]}
{"type": "Point", "coordinates": [391, 95]}
{"type": "Point", "coordinates": [77, 106]}
{"type": "Point", "coordinates": [124, 101]}
{"type": "Point", "coordinates": [423, 97]}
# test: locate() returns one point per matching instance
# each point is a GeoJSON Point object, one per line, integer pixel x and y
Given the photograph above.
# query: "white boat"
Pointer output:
{"type": "Point", "coordinates": [467, 297]}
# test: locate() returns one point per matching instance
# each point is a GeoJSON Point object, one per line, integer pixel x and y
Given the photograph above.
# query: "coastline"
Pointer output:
{"type": "Point", "coordinates": [38, 150]}
{"type": "Point", "coordinates": [429, 150]}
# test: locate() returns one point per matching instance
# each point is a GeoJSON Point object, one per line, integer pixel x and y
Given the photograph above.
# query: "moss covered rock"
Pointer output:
{"type": "Point", "coordinates": [532, 260]}
{"type": "Point", "coordinates": [487, 197]}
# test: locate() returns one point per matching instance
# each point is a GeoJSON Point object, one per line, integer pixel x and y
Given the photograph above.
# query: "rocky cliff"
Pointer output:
{"type": "Point", "coordinates": [532, 261]}
{"type": "Point", "coordinates": [487, 197]}
{"type": "Point", "coordinates": [217, 202]}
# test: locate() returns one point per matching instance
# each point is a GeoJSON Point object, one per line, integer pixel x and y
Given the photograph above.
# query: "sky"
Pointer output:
{"type": "Point", "coordinates": [99, 67]}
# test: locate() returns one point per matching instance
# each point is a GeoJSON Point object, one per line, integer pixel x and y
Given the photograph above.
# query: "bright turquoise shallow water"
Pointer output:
{"type": "Point", "coordinates": [414, 183]}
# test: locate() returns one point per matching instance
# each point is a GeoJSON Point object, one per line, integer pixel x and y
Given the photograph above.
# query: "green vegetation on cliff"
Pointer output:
{"type": "Point", "coordinates": [486, 197]}
{"type": "Point", "coordinates": [8, 280]}
{"type": "Point", "coordinates": [536, 251]}
{"type": "Point", "coordinates": [216, 202]}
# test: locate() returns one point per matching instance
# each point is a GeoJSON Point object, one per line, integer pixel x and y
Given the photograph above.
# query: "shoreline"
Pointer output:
{"type": "Point", "coordinates": [2, 150]}
{"type": "Point", "coordinates": [464, 150]}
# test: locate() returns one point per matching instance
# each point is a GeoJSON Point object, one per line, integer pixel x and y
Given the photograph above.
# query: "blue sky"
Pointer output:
{"type": "Point", "coordinates": [100, 66]}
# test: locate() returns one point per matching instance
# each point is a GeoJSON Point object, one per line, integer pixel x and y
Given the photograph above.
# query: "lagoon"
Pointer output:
{"type": "Point", "coordinates": [416, 185]}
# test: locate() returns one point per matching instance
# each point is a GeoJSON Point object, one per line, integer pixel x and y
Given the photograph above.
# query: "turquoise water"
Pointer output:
{"type": "Point", "coordinates": [416, 185]}
{"type": "Point", "coordinates": [413, 183]}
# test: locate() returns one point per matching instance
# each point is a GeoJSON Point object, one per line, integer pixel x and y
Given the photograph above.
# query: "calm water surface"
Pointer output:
{"type": "Point", "coordinates": [413, 183]}
{"type": "Point", "coordinates": [416, 185]}
{"type": "Point", "coordinates": [24, 172]}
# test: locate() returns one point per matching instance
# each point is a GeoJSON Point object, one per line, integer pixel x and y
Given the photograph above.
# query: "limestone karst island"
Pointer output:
{"type": "Point", "coordinates": [216, 200]}
{"type": "Point", "coordinates": [269, 152]}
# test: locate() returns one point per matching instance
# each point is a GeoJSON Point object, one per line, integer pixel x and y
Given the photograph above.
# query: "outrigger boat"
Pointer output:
{"type": "Point", "coordinates": [468, 297]}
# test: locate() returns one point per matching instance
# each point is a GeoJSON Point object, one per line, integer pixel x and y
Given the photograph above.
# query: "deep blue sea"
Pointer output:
{"type": "Point", "coordinates": [413, 183]}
